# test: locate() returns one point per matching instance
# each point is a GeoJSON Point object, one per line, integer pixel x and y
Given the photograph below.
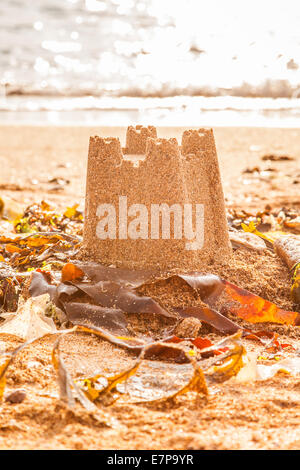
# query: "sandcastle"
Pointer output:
{"type": "Point", "coordinates": [155, 204]}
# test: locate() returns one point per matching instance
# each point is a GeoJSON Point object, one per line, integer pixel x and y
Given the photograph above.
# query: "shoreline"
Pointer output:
{"type": "Point", "coordinates": [92, 125]}
{"type": "Point", "coordinates": [123, 118]}
{"type": "Point", "coordinates": [160, 111]}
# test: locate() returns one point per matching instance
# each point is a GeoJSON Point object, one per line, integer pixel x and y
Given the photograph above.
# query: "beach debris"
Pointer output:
{"type": "Point", "coordinates": [230, 298]}
{"type": "Point", "coordinates": [289, 365]}
{"type": "Point", "coordinates": [209, 316]}
{"type": "Point", "coordinates": [88, 390]}
{"type": "Point", "coordinates": [268, 222]}
{"type": "Point", "coordinates": [255, 309]}
{"type": "Point", "coordinates": [200, 343]}
{"type": "Point", "coordinates": [288, 248]}
{"type": "Point", "coordinates": [92, 388]}
{"type": "Point", "coordinates": [51, 251]}
{"type": "Point", "coordinates": [37, 250]}
{"type": "Point", "coordinates": [197, 384]}
{"type": "Point", "coordinates": [64, 380]}
{"type": "Point", "coordinates": [68, 389]}
{"type": "Point", "coordinates": [58, 183]}
{"type": "Point", "coordinates": [71, 272]}
{"type": "Point", "coordinates": [228, 365]}
{"type": "Point", "coordinates": [188, 328]}
{"type": "Point", "coordinates": [9, 209]}
{"type": "Point", "coordinates": [112, 319]}
{"type": "Point", "coordinates": [232, 361]}
{"type": "Point", "coordinates": [270, 340]}
{"type": "Point", "coordinates": [253, 371]}
{"type": "Point", "coordinates": [9, 289]}
{"type": "Point", "coordinates": [18, 396]}
{"type": "Point", "coordinates": [247, 240]}
{"type": "Point", "coordinates": [114, 294]}
{"type": "Point", "coordinates": [277, 158]}
{"type": "Point", "coordinates": [11, 187]}
{"type": "Point", "coordinates": [293, 223]}
{"type": "Point", "coordinates": [30, 320]}
{"type": "Point", "coordinates": [97, 300]}
{"type": "Point", "coordinates": [235, 217]}
{"type": "Point", "coordinates": [251, 170]}
{"type": "Point", "coordinates": [286, 245]}
{"type": "Point", "coordinates": [153, 349]}
{"type": "Point", "coordinates": [3, 368]}
{"type": "Point", "coordinates": [275, 348]}
{"type": "Point", "coordinates": [73, 213]}
{"type": "Point", "coordinates": [6, 359]}
{"type": "Point", "coordinates": [252, 228]}
{"type": "Point", "coordinates": [288, 220]}
{"type": "Point", "coordinates": [117, 289]}
{"type": "Point", "coordinates": [295, 289]}
{"type": "Point", "coordinates": [43, 217]}
{"type": "Point", "coordinates": [100, 386]}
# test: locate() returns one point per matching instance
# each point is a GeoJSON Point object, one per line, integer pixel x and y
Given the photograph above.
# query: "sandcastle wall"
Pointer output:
{"type": "Point", "coordinates": [150, 171]}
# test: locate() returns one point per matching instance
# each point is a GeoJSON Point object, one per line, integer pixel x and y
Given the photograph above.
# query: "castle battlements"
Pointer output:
{"type": "Point", "coordinates": [155, 203]}
{"type": "Point", "coordinates": [136, 138]}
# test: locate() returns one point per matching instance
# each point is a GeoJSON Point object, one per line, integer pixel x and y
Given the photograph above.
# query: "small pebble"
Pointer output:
{"type": "Point", "coordinates": [247, 240]}
{"type": "Point", "coordinates": [16, 397]}
{"type": "Point", "coordinates": [188, 328]}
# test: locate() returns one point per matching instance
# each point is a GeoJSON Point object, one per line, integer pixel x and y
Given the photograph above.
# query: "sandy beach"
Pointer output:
{"type": "Point", "coordinates": [32, 156]}
{"type": "Point", "coordinates": [149, 227]}
{"type": "Point", "coordinates": [50, 163]}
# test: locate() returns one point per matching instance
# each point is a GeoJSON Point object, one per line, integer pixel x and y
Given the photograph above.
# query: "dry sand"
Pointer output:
{"type": "Point", "coordinates": [235, 416]}
{"type": "Point", "coordinates": [30, 156]}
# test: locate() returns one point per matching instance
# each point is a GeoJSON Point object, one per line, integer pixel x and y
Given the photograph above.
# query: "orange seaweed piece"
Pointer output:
{"type": "Point", "coordinates": [70, 272]}
{"type": "Point", "coordinates": [255, 309]}
{"type": "Point", "coordinates": [202, 343]}
{"type": "Point", "coordinates": [10, 248]}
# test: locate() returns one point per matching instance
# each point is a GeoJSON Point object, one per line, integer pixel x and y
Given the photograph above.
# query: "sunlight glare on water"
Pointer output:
{"type": "Point", "coordinates": [148, 48]}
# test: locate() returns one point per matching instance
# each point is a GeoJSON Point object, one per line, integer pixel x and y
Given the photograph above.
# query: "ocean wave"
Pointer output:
{"type": "Point", "coordinates": [79, 54]}
{"type": "Point", "coordinates": [267, 89]}
{"type": "Point", "coordinates": [24, 102]}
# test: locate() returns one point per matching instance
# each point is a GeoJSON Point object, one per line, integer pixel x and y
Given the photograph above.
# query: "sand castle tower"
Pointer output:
{"type": "Point", "coordinates": [155, 204]}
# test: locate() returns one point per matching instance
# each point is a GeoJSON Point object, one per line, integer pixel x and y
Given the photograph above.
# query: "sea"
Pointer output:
{"type": "Point", "coordinates": [161, 62]}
